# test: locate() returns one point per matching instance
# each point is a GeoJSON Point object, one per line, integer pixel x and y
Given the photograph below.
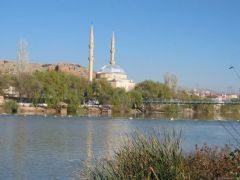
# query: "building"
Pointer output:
{"type": "Point", "coordinates": [116, 76]}
{"type": "Point", "coordinates": [91, 58]}
{"type": "Point", "coordinates": [111, 72]}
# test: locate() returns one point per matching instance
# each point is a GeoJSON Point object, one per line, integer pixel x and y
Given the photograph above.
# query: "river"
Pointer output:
{"type": "Point", "coordinates": [37, 147]}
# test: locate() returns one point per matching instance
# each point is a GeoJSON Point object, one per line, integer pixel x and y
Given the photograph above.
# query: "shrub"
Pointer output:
{"type": "Point", "coordinates": [142, 158]}
{"type": "Point", "coordinates": [171, 109]}
{"type": "Point", "coordinates": [212, 163]}
{"type": "Point", "coordinates": [151, 157]}
{"type": "Point", "coordinates": [10, 106]}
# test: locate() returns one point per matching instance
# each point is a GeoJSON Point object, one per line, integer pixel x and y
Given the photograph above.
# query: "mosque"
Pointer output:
{"type": "Point", "coordinates": [111, 72]}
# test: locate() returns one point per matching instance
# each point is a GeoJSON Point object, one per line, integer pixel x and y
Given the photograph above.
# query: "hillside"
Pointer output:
{"type": "Point", "coordinates": [10, 67]}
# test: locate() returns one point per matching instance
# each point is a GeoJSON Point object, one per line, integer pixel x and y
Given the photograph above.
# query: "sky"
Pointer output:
{"type": "Point", "coordinates": [197, 40]}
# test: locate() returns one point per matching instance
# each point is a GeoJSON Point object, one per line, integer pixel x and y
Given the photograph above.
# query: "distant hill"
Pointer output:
{"type": "Point", "coordinates": [10, 67]}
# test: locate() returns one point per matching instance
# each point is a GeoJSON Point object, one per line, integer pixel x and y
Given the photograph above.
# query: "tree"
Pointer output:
{"type": "Point", "coordinates": [22, 58]}
{"type": "Point", "coordinates": [153, 90]}
{"type": "Point", "coordinates": [28, 86]}
{"type": "Point", "coordinates": [3, 83]}
{"type": "Point", "coordinates": [60, 87]}
{"type": "Point", "coordinates": [77, 88]}
{"type": "Point", "coordinates": [171, 81]}
{"type": "Point", "coordinates": [22, 67]}
{"type": "Point", "coordinates": [136, 99]}
{"type": "Point", "coordinates": [120, 100]}
{"type": "Point", "coordinates": [183, 95]}
{"type": "Point", "coordinates": [102, 91]}
{"type": "Point", "coordinates": [6, 80]}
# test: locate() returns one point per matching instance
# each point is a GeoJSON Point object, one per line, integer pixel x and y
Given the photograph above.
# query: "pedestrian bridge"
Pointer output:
{"type": "Point", "coordinates": [190, 102]}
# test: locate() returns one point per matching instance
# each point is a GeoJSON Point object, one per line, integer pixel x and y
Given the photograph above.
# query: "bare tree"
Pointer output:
{"type": "Point", "coordinates": [171, 81]}
{"type": "Point", "coordinates": [22, 67]}
{"type": "Point", "coordinates": [22, 58]}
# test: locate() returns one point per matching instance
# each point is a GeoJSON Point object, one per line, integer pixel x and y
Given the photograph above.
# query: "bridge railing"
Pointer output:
{"type": "Point", "coordinates": [176, 101]}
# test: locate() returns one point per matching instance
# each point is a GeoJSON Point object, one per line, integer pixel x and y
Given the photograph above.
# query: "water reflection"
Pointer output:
{"type": "Point", "coordinates": [89, 144]}
{"type": "Point", "coordinates": [20, 142]}
{"type": "Point", "coordinates": [52, 148]}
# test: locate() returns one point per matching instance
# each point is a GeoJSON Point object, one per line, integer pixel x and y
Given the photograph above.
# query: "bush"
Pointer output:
{"type": "Point", "coordinates": [171, 109]}
{"type": "Point", "coordinates": [204, 108]}
{"type": "Point", "coordinates": [212, 163]}
{"type": "Point", "coordinates": [10, 106]}
{"type": "Point", "coordinates": [152, 157]}
{"type": "Point", "coordinates": [142, 158]}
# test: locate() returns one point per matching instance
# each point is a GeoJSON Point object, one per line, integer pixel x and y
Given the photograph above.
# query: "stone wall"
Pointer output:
{"type": "Point", "coordinates": [35, 111]}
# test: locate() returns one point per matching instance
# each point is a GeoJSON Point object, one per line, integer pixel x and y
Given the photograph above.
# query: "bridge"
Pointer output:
{"type": "Point", "coordinates": [191, 102]}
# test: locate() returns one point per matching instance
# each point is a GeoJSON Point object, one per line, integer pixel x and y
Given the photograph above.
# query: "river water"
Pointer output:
{"type": "Point", "coordinates": [37, 147]}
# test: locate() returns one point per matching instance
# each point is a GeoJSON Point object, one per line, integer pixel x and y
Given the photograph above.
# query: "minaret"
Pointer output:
{"type": "Point", "coordinates": [112, 51]}
{"type": "Point", "coordinates": [91, 58]}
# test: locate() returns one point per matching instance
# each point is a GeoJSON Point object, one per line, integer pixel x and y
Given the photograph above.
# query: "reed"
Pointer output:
{"type": "Point", "coordinates": [143, 157]}
{"type": "Point", "coordinates": [159, 156]}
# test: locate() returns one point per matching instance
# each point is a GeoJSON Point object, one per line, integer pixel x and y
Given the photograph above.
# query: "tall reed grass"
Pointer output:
{"type": "Point", "coordinates": [159, 156]}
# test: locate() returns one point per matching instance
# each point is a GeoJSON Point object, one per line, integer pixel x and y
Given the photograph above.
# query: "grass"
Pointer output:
{"type": "Point", "coordinates": [10, 106]}
{"type": "Point", "coordinates": [159, 156]}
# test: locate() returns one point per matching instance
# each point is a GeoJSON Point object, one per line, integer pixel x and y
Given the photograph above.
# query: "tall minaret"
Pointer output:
{"type": "Point", "coordinates": [112, 51]}
{"type": "Point", "coordinates": [91, 58]}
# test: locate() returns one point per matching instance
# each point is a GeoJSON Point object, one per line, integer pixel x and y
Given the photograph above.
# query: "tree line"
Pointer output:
{"type": "Point", "coordinates": [52, 87]}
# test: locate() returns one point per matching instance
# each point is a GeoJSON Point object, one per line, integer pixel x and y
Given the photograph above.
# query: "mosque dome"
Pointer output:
{"type": "Point", "coordinates": [110, 69]}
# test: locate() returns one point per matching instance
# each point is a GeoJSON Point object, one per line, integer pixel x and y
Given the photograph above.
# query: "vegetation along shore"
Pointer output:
{"type": "Point", "coordinates": [159, 156]}
{"type": "Point", "coordinates": [49, 91]}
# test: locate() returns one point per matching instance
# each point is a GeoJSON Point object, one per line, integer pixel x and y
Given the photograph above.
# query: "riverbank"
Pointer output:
{"type": "Point", "coordinates": [206, 111]}
{"type": "Point", "coordinates": [185, 113]}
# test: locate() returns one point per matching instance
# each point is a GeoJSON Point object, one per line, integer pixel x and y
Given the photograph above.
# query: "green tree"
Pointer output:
{"type": "Point", "coordinates": [77, 89]}
{"type": "Point", "coordinates": [4, 82]}
{"type": "Point", "coordinates": [153, 90]}
{"type": "Point", "coordinates": [120, 100]}
{"type": "Point", "coordinates": [60, 87]}
{"type": "Point", "coordinates": [136, 99]}
{"type": "Point", "coordinates": [102, 91]}
{"type": "Point", "coordinates": [54, 87]}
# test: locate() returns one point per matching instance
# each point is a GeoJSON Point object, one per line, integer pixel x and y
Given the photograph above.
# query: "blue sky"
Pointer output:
{"type": "Point", "coordinates": [195, 39]}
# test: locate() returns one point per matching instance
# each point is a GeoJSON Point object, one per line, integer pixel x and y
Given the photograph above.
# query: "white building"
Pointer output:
{"type": "Point", "coordinates": [116, 76]}
{"type": "Point", "coordinates": [112, 73]}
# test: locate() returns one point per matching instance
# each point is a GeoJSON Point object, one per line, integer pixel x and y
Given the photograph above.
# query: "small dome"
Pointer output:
{"type": "Point", "coordinates": [109, 68]}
